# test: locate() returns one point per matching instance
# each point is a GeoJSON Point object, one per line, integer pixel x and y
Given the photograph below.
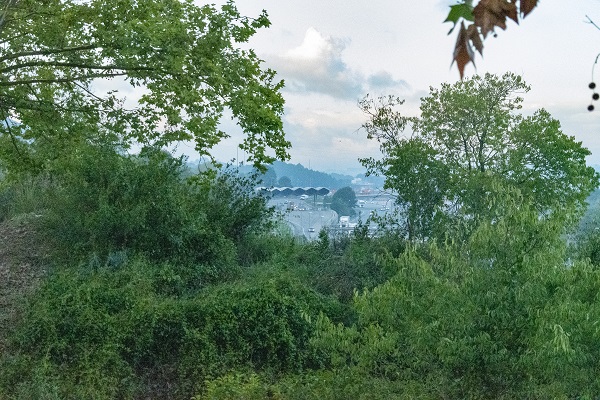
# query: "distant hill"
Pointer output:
{"type": "Point", "coordinates": [302, 176]}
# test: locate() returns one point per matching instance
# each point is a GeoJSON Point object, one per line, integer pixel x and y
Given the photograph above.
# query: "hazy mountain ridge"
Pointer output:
{"type": "Point", "coordinates": [301, 176]}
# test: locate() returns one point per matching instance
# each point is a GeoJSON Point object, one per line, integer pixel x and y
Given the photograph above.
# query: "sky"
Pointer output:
{"type": "Point", "coordinates": [332, 53]}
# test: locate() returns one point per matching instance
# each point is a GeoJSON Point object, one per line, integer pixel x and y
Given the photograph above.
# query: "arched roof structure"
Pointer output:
{"type": "Point", "coordinates": [296, 191]}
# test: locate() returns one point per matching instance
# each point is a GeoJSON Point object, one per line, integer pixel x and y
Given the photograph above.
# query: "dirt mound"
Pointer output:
{"type": "Point", "coordinates": [23, 263]}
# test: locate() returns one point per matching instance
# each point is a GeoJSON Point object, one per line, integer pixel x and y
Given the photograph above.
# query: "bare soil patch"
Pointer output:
{"type": "Point", "coordinates": [23, 264]}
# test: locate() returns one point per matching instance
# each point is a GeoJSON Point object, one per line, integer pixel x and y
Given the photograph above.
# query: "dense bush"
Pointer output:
{"type": "Point", "coordinates": [144, 328]}
{"type": "Point", "coordinates": [338, 266]}
{"type": "Point", "coordinates": [106, 202]}
{"type": "Point", "coordinates": [180, 289]}
{"type": "Point", "coordinates": [585, 241]}
{"type": "Point", "coordinates": [497, 316]}
{"type": "Point", "coordinates": [311, 385]}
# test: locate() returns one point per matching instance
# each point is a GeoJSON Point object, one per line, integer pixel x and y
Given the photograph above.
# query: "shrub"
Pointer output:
{"type": "Point", "coordinates": [342, 384]}
{"type": "Point", "coordinates": [140, 329]}
{"type": "Point", "coordinates": [499, 315]}
{"type": "Point", "coordinates": [106, 202]}
{"type": "Point", "coordinates": [27, 194]}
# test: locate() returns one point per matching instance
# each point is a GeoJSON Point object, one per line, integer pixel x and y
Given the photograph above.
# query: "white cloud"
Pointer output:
{"type": "Point", "coordinates": [329, 137]}
{"type": "Point", "coordinates": [317, 66]}
{"type": "Point", "coordinates": [315, 47]}
{"type": "Point", "coordinates": [310, 119]}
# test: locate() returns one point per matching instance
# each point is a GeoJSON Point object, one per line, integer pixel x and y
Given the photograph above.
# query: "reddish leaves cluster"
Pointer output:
{"type": "Point", "coordinates": [487, 15]}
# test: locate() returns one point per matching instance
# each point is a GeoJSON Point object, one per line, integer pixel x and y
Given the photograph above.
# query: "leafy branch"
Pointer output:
{"type": "Point", "coordinates": [481, 20]}
{"type": "Point", "coordinates": [187, 57]}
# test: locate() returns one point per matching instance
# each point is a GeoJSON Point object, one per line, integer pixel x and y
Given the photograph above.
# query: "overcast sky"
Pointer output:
{"type": "Point", "coordinates": [331, 53]}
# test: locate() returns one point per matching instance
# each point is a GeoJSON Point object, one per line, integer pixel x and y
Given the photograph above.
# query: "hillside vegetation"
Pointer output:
{"type": "Point", "coordinates": [23, 264]}
{"type": "Point", "coordinates": [159, 286]}
{"type": "Point", "coordinates": [125, 275]}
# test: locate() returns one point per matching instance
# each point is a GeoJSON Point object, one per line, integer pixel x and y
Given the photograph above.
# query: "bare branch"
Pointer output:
{"type": "Point", "coordinates": [591, 22]}
{"type": "Point", "coordinates": [7, 6]}
{"type": "Point", "coordinates": [61, 80]}
{"type": "Point", "coordinates": [73, 65]}
{"type": "Point", "coordinates": [48, 52]}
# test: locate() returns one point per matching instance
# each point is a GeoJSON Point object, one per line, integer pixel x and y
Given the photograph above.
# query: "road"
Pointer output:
{"type": "Point", "coordinates": [307, 219]}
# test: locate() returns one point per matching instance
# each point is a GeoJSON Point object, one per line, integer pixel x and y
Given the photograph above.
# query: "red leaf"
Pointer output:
{"type": "Point", "coordinates": [463, 52]}
{"type": "Point", "coordinates": [475, 38]}
{"type": "Point", "coordinates": [527, 6]}
{"type": "Point", "coordinates": [510, 10]}
{"type": "Point", "coordinates": [489, 14]}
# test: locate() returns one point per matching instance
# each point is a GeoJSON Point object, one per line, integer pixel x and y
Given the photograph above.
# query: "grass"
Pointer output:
{"type": "Point", "coordinates": [23, 264]}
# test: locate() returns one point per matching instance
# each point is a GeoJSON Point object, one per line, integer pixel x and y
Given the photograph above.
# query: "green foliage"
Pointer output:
{"type": "Point", "coordinates": [584, 243]}
{"type": "Point", "coordinates": [312, 385]}
{"type": "Point", "coordinates": [323, 241]}
{"type": "Point", "coordinates": [238, 386]}
{"type": "Point", "coordinates": [232, 205]}
{"type": "Point", "coordinates": [587, 247]}
{"type": "Point", "coordinates": [259, 326]}
{"type": "Point", "coordinates": [118, 333]}
{"type": "Point", "coordinates": [459, 11]}
{"type": "Point", "coordinates": [468, 142]}
{"type": "Point", "coordinates": [23, 196]}
{"type": "Point", "coordinates": [331, 266]}
{"type": "Point", "coordinates": [187, 57]}
{"type": "Point", "coordinates": [352, 264]}
{"type": "Point", "coordinates": [479, 303]}
{"type": "Point", "coordinates": [499, 315]}
{"type": "Point", "coordinates": [494, 311]}
{"type": "Point", "coordinates": [343, 202]}
{"type": "Point", "coordinates": [106, 202]}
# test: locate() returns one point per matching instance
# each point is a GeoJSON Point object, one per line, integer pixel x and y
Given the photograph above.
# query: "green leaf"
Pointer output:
{"type": "Point", "coordinates": [458, 11]}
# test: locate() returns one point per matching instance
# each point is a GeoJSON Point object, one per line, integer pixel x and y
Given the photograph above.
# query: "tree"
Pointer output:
{"type": "Point", "coordinates": [343, 201]}
{"type": "Point", "coordinates": [185, 57]}
{"type": "Point", "coordinates": [486, 16]}
{"type": "Point", "coordinates": [284, 181]}
{"type": "Point", "coordinates": [269, 177]}
{"type": "Point", "coordinates": [496, 316]}
{"type": "Point", "coordinates": [469, 142]}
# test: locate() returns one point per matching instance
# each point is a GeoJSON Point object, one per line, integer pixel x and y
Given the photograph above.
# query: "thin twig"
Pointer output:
{"type": "Point", "coordinates": [594, 66]}
{"type": "Point", "coordinates": [589, 21]}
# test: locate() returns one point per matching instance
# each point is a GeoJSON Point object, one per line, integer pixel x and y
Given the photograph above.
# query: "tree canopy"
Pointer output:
{"type": "Point", "coordinates": [343, 201]}
{"type": "Point", "coordinates": [469, 143]}
{"type": "Point", "coordinates": [284, 181]}
{"type": "Point", "coordinates": [62, 62]}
